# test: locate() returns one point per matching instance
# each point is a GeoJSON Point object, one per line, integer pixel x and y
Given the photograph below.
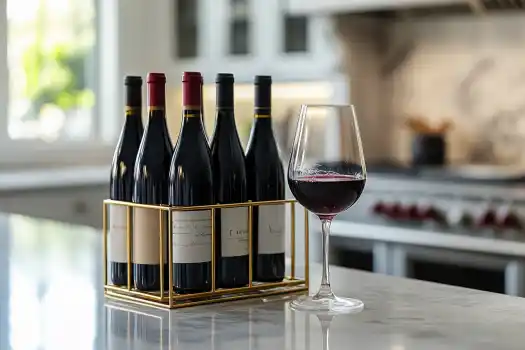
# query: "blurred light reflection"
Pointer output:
{"type": "Point", "coordinates": [51, 305]}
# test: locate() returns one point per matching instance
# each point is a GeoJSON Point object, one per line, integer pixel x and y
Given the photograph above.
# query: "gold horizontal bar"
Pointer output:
{"type": "Point", "coordinates": [124, 290]}
{"type": "Point", "coordinates": [136, 205]}
{"type": "Point", "coordinates": [218, 292]}
{"type": "Point", "coordinates": [160, 305]}
{"type": "Point", "coordinates": [253, 288]}
{"type": "Point", "coordinates": [198, 207]}
{"type": "Point", "coordinates": [233, 205]}
{"type": "Point", "coordinates": [136, 301]}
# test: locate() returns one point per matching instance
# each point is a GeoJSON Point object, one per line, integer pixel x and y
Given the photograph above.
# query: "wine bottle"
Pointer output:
{"type": "Point", "coordinates": [229, 183]}
{"type": "Point", "coordinates": [265, 183]}
{"type": "Point", "coordinates": [121, 180]}
{"type": "Point", "coordinates": [151, 187]}
{"type": "Point", "coordinates": [191, 185]}
{"type": "Point", "coordinates": [203, 121]}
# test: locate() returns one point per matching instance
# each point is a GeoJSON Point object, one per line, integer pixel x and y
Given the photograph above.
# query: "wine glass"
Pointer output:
{"type": "Point", "coordinates": [327, 182]}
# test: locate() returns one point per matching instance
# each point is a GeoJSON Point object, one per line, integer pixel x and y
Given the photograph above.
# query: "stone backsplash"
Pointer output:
{"type": "Point", "coordinates": [467, 69]}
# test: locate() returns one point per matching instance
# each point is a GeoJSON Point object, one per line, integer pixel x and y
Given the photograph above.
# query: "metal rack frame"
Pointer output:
{"type": "Point", "coordinates": [166, 297]}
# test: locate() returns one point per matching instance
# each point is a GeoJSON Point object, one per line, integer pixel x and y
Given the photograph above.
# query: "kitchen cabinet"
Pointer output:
{"type": "Point", "coordinates": [77, 205]}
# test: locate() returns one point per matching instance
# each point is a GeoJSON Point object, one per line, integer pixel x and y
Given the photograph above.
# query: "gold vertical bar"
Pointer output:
{"type": "Point", "coordinates": [161, 252]}
{"type": "Point", "coordinates": [250, 245]}
{"type": "Point", "coordinates": [306, 250]}
{"type": "Point", "coordinates": [128, 243]}
{"type": "Point", "coordinates": [213, 252]}
{"type": "Point", "coordinates": [292, 239]}
{"type": "Point", "coordinates": [105, 241]}
{"type": "Point", "coordinates": [170, 257]}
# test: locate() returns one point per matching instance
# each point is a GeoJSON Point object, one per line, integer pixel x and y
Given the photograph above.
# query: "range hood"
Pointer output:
{"type": "Point", "coordinates": [311, 7]}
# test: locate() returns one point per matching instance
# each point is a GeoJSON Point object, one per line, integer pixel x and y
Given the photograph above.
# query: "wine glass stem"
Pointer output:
{"type": "Point", "coordinates": [325, 291]}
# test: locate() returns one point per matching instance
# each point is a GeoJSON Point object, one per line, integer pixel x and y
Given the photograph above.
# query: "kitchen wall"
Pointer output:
{"type": "Point", "coordinates": [468, 69]}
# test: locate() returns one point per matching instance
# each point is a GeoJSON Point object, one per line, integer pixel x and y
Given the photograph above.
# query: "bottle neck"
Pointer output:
{"type": "Point", "coordinates": [156, 103]}
{"type": "Point", "coordinates": [191, 120]}
{"type": "Point", "coordinates": [134, 96]}
{"type": "Point", "coordinates": [157, 118]}
{"type": "Point", "coordinates": [133, 108]}
{"type": "Point", "coordinates": [263, 118]}
{"type": "Point", "coordinates": [133, 113]}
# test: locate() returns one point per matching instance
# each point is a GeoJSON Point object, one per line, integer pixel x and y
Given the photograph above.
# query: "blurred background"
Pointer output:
{"type": "Point", "coordinates": [438, 87]}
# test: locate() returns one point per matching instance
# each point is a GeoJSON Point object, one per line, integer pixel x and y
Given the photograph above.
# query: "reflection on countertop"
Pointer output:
{"type": "Point", "coordinates": [51, 298]}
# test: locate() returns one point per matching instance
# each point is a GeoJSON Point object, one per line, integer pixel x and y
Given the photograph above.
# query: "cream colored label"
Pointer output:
{"type": "Point", "coordinates": [146, 237]}
{"type": "Point", "coordinates": [271, 229]}
{"type": "Point", "coordinates": [234, 232]}
{"type": "Point", "coordinates": [117, 243]}
{"type": "Point", "coordinates": [191, 236]}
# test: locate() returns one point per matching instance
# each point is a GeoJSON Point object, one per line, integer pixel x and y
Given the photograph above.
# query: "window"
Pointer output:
{"type": "Point", "coordinates": [186, 28]}
{"type": "Point", "coordinates": [239, 37]}
{"type": "Point", "coordinates": [239, 28]}
{"type": "Point", "coordinates": [295, 34]}
{"type": "Point", "coordinates": [52, 70]}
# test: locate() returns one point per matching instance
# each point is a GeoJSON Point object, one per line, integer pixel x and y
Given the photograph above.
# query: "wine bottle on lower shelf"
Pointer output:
{"type": "Point", "coordinates": [265, 177]}
{"type": "Point", "coordinates": [191, 184]}
{"type": "Point", "coordinates": [229, 182]}
{"type": "Point", "coordinates": [121, 180]}
{"type": "Point", "coordinates": [151, 187]}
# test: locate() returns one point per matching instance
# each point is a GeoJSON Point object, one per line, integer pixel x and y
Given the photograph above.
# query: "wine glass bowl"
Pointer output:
{"type": "Point", "coordinates": [327, 181]}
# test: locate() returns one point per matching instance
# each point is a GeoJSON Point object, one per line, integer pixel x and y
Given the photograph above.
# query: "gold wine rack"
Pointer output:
{"type": "Point", "coordinates": [166, 297]}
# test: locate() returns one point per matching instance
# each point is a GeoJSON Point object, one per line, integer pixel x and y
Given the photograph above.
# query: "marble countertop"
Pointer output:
{"type": "Point", "coordinates": [51, 298]}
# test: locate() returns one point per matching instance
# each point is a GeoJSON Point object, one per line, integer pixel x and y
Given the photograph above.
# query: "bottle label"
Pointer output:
{"type": "Point", "coordinates": [261, 116]}
{"type": "Point", "coordinates": [117, 242]}
{"type": "Point", "coordinates": [271, 229]}
{"type": "Point", "coordinates": [146, 237]}
{"type": "Point", "coordinates": [191, 236]}
{"type": "Point", "coordinates": [234, 232]}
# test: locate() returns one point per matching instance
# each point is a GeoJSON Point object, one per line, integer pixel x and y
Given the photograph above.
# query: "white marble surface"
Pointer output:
{"type": "Point", "coordinates": [51, 298]}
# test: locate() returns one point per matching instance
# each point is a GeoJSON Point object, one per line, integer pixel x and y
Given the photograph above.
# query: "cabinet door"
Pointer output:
{"type": "Point", "coordinates": [78, 205]}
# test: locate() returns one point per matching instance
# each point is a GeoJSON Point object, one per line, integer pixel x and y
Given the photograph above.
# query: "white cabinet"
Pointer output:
{"type": "Point", "coordinates": [76, 205]}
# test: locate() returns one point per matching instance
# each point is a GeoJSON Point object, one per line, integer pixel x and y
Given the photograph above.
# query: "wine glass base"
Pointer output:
{"type": "Point", "coordinates": [331, 305]}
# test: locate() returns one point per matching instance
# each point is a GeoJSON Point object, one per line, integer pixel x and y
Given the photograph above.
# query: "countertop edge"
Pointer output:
{"type": "Point", "coordinates": [424, 238]}
{"type": "Point", "coordinates": [57, 177]}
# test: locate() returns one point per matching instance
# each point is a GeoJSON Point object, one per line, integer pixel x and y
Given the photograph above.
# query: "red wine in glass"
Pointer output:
{"type": "Point", "coordinates": [325, 194]}
{"type": "Point", "coordinates": [327, 182]}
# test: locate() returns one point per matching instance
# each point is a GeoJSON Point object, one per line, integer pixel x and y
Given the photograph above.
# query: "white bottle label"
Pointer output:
{"type": "Point", "coordinates": [234, 232]}
{"type": "Point", "coordinates": [271, 229]}
{"type": "Point", "coordinates": [191, 236]}
{"type": "Point", "coordinates": [146, 237]}
{"type": "Point", "coordinates": [117, 243]}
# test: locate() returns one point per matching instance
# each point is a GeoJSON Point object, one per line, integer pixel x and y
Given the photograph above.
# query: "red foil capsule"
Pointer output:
{"type": "Point", "coordinates": [487, 219]}
{"type": "Point", "coordinates": [378, 208]}
{"type": "Point", "coordinates": [510, 221]}
{"type": "Point", "coordinates": [413, 212]}
{"type": "Point", "coordinates": [397, 212]}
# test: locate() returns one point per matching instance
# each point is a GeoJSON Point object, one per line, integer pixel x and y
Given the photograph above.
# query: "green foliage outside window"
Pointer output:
{"type": "Point", "coordinates": [57, 76]}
